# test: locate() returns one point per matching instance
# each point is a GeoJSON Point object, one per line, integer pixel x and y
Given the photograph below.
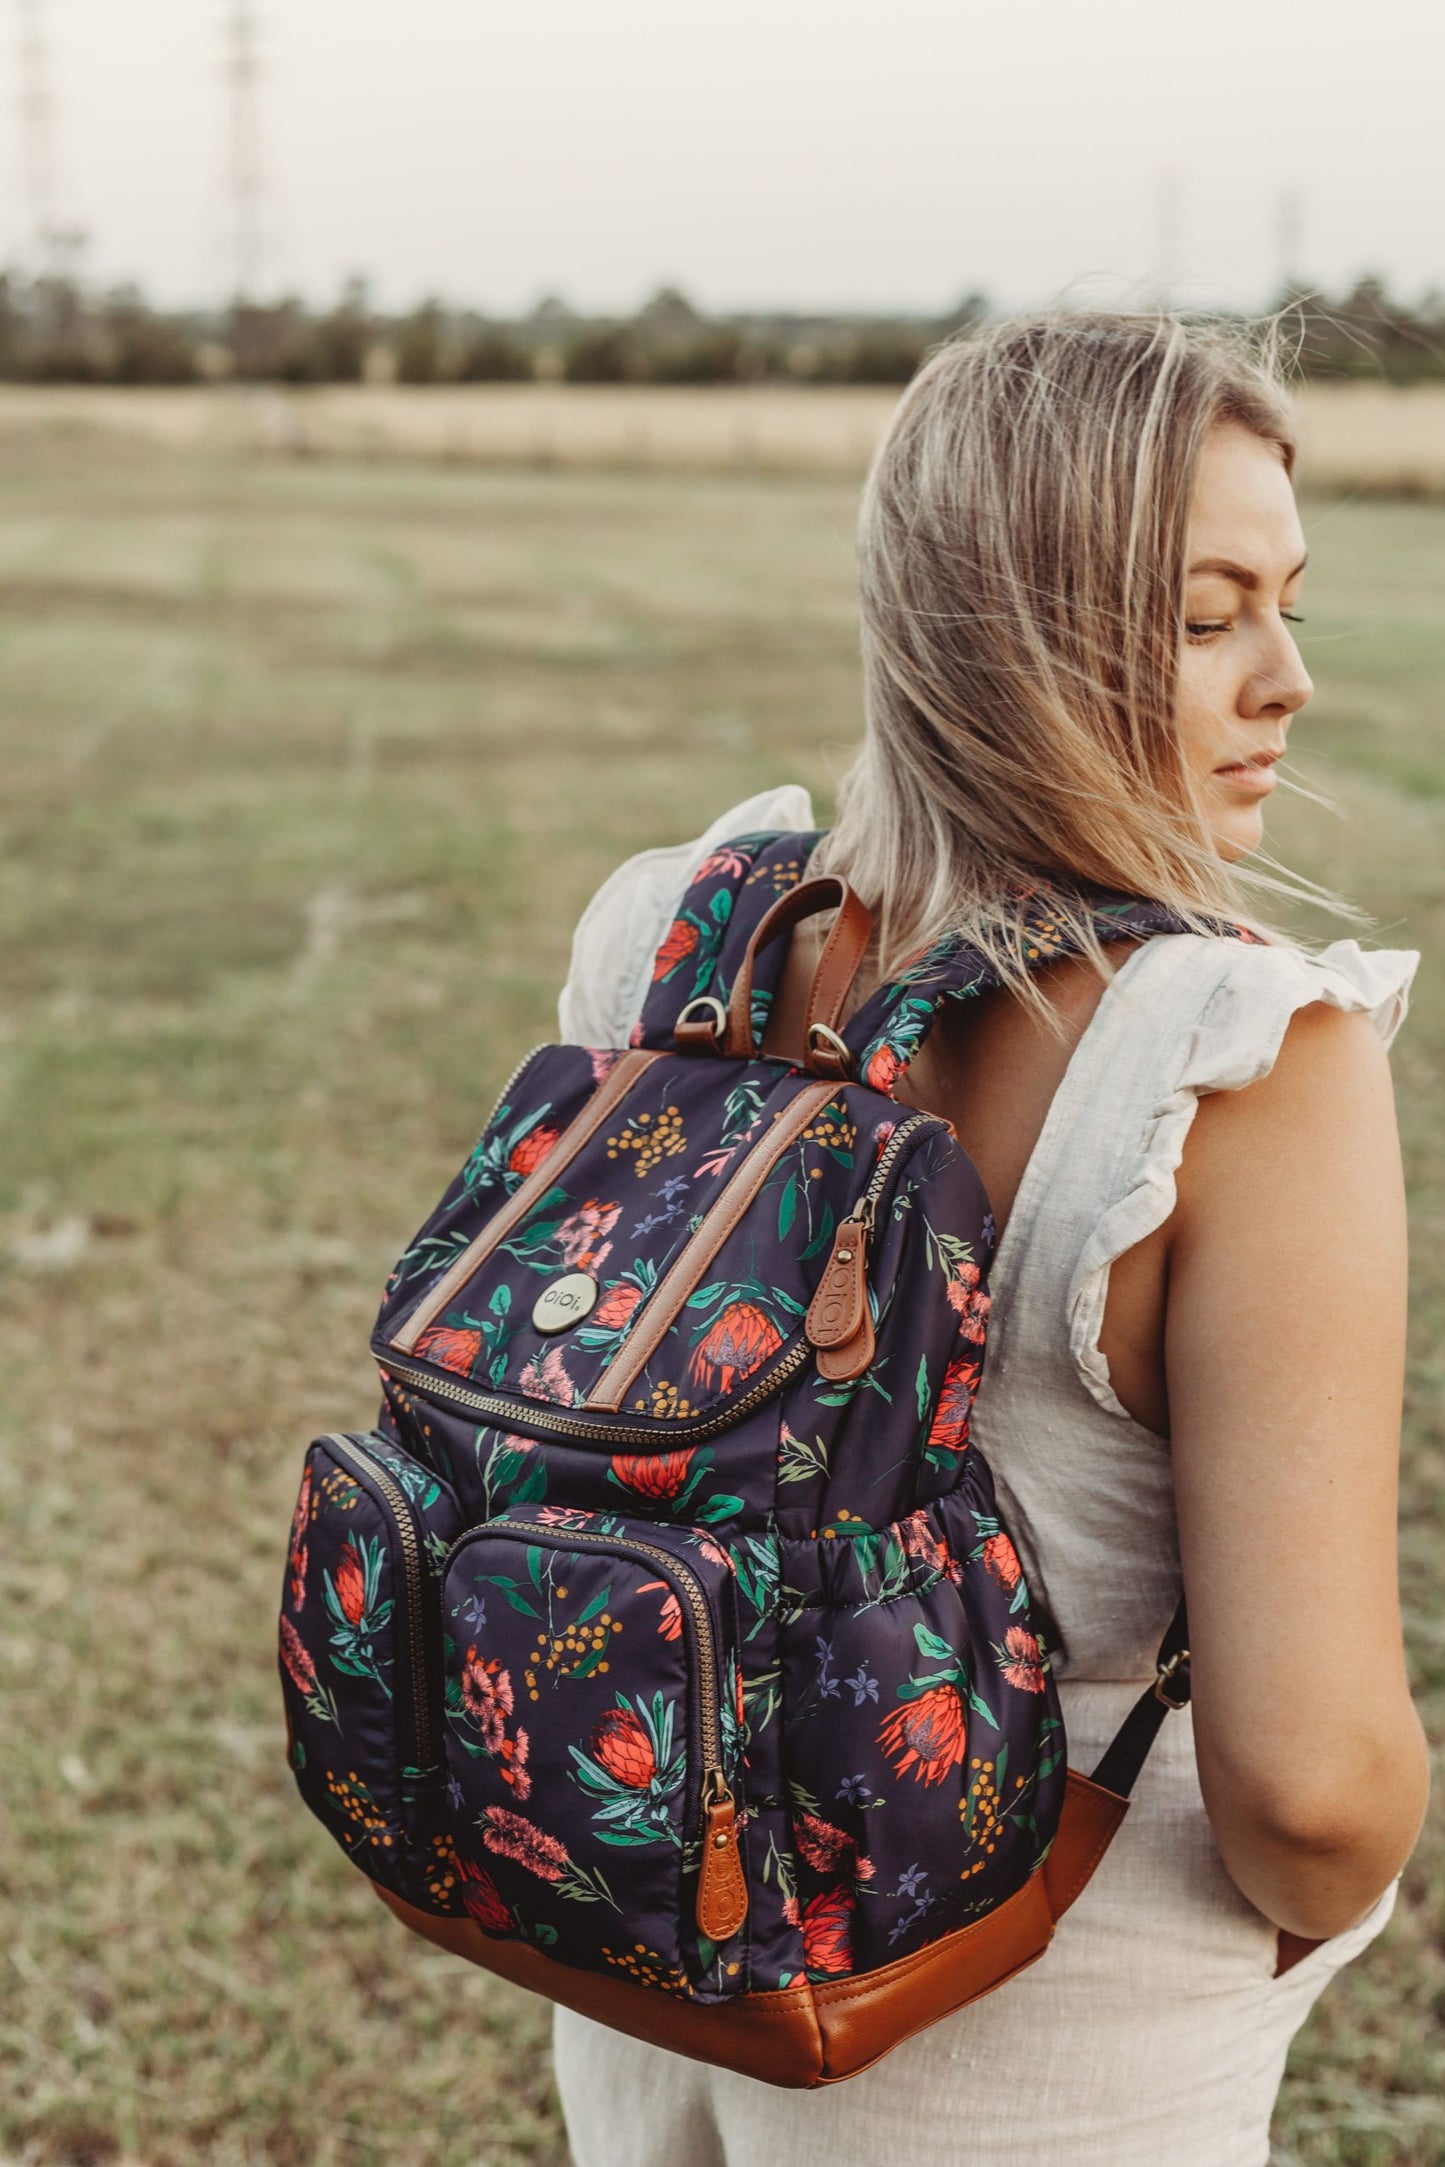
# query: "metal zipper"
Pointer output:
{"type": "Point", "coordinates": [714, 1782]}
{"type": "Point", "coordinates": [886, 1160]}
{"type": "Point", "coordinates": [412, 1569]}
{"type": "Point", "coordinates": [510, 1085]}
{"type": "Point", "coordinates": [508, 1412]}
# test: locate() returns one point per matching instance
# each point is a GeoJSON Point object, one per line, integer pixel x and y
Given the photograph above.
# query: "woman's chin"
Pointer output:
{"type": "Point", "coordinates": [1237, 832]}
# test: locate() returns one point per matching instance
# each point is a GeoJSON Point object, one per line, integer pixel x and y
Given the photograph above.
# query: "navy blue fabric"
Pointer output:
{"type": "Point", "coordinates": [749, 1573]}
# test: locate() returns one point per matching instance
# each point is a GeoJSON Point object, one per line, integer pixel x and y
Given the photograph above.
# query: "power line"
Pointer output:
{"type": "Point", "coordinates": [246, 176]}
{"type": "Point", "coordinates": [37, 135]}
{"type": "Point", "coordinates": [1289, 236]}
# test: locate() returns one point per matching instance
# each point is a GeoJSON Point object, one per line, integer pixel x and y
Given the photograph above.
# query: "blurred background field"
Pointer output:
{"type": "Point", "coordinates": [309, 767]}
{"type": "Point", "coordinates": [1371, 439]}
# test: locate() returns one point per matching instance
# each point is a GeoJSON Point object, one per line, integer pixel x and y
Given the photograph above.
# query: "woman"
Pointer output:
{"type": "Point", "coordinates": [1081, 561]}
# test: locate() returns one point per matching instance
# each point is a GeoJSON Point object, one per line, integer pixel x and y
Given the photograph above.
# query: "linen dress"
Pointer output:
{"type": "Point", "coordinates": [1153, 2030]}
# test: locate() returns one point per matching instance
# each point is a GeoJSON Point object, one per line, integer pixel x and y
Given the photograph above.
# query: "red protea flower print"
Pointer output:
{"type": "Point", "coordinates": [634, 1036]}
{"type": "Point", "coordinates": [734, 1345]}
{"type": "Point", "coordinates": [881, 1135]}
{"type": "Point", "coordinates": [603, 1060]}
{"type": "Point", "coordinates": [527, 1154]}
{"type": "Point", "coordinates": [657, 1474]}
{"type": "Point", "coordinates": [298, 1662]}
{"type": "Point", "coordinates": [825, 1847]}
{"type": "Point", "coordinates": [828, 1932]}
{"type": "Point", "coordinates": [962, 1281]}
{"type": "Point", "coordinates": [487, 1697]}
{"type": "Point", "coordinates": [1002, 1560]}
{"type": "Point", "coordinates": [926, 1735]}
{"type": "Point", "coordinates": [884, 1069]}
{"type": "Point", "coordinates": [300, 1521]}
{"type": "Point", "coordinates": [616, 1305]}
{"type": "Point", "coordinates": [512, 1836]}
{"type": "Point", "coordinates": [623, 1748]}
{"type": "Point", "coordinates": [350, 1583]}
{"type": "Point", "coordinates": [1020, 1660]}
{"type": "Point", "coordinates": [451, 1348]}
{"type": "Point", "coordinates": [483, 1899]}
{"type": "Point", "coordinates": [581, 1235]}
{"type": "Point", "coordinates": [669, 1623]}
{"type": "Point", "coordinates": [948, 1431]}
{"type": "Point", "coordinates": [681, 939]}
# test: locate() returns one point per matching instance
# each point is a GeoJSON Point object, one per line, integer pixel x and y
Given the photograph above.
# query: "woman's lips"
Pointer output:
{"type": "Point", "coordinates": [1257, 777]}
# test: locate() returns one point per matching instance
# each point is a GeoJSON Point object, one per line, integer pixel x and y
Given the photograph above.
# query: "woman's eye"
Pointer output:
{"type": "Point", "coordinates": [1291, 617]}
{"type": "Point", "coordinates": [1199, 631]}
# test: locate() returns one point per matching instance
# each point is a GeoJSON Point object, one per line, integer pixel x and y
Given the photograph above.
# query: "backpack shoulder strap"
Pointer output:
{"type": "Point", "coordinates": [729, 895]}
{"type": "Point", "coordinates": [886, 1032]}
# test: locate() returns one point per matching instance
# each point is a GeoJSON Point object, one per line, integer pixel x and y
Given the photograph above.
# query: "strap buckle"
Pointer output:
{"type": "Point", "coordinates": [701, 1025]}
{"type": "Point", "coordinates": [1166, 1673]}
{"type": "Point", "coordinates": [827, 1054]}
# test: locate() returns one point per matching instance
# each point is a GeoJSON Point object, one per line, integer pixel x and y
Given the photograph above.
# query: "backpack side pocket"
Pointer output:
{"type": "Point", "coordinates": [359, 1660]}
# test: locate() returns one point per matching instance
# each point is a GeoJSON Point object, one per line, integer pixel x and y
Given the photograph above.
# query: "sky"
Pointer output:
{"type": "Point", "coordinates": [787, 153]}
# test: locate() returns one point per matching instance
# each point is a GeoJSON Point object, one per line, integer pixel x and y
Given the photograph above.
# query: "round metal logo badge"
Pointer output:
{"type": "Point", "coordinates": [566, 1301]}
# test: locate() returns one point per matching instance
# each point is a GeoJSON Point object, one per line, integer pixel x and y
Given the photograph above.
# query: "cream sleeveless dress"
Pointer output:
{"type": "Point", "coordinates": [1153, 2032]}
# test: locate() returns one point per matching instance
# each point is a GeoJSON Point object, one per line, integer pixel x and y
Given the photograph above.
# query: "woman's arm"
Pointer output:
{"type": "Point", "coordinates": [1284, 1347]}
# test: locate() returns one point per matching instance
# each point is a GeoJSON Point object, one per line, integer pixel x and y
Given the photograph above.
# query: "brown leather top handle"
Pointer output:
{"type": "Point", "coordinates": [843, 951]}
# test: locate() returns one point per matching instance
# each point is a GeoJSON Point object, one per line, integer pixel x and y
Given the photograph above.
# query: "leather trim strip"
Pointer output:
{"type": "Point", "coordinates": [843, 952]}
{"type": "Point", "coordinates": [661, 1309]}
{"type": "Point", "coordinates": [820, 2032]}
{"type": "Point", "coordinates": [799, 2036]}
{"type": "Point", "coordinates": [603, 1102]}
{"type": "Point", "coordinates": [1090, 1821]}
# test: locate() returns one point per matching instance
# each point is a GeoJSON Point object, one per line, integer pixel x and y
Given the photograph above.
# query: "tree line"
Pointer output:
{"type": "Point", "coordinates": [52, 331]}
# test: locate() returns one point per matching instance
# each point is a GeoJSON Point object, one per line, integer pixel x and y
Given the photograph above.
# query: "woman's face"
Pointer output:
{"type": "Point", "coordinates": [1240, 673]}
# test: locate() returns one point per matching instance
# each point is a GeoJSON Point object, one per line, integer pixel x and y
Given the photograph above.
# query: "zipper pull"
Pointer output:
{"type": "Point", "coordinates": [839, 1322]}
{"type": "Point", "coordinates": [722, 1891]}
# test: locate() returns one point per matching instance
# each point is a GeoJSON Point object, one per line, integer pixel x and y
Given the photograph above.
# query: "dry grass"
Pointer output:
{"type": "Point", "coordinates": [308, 771]}
{"type": "Point", "coordinates": [1357, 438]}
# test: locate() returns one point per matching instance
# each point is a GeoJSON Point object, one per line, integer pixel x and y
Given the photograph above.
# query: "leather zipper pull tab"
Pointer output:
{"type": "Point", "coordinates": [839, 1323]}
{"type": "Point", "coordinates": [722, 1890]}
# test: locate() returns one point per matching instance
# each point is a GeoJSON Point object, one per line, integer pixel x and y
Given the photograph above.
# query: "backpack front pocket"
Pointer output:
{"type": "Point", "coordinates": [592, 1660]}
{"type": "Point", "coordinates": [358, 1657]}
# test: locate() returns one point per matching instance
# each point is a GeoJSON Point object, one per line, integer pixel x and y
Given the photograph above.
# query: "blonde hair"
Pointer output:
{"type": "Point", "coordinates": [1022, 565]}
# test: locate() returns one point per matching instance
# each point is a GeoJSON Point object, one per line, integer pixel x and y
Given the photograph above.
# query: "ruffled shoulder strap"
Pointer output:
{"type": "Point", "coordinates": [1200, 1016]}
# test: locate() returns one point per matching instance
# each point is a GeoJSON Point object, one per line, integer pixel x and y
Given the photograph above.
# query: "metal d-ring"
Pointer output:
{"type": "Point", "coordinates": [714, 1008]}
{"type": "Point", "coordinates": [1167, 1673]}
{"type": "Point", "coordinates": [820, 1033]}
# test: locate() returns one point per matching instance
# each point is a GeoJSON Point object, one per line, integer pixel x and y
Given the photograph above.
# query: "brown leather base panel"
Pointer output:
{"type": "Point", "coordinates": [818, 2032]}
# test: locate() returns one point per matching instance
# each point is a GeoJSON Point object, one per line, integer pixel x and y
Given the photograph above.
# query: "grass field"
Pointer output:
{"type": "Point", "coordinates": [307, 771]}
{"type": "Point", "coordinates": [1355, 437]}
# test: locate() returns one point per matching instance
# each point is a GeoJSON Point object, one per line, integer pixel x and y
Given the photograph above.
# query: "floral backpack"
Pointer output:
{"type": "Point", "coordinates": [662, 1649]}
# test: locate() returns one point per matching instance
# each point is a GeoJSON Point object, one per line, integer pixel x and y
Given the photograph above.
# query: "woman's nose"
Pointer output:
{"type": "Point", "coordinates": [1282, 688]}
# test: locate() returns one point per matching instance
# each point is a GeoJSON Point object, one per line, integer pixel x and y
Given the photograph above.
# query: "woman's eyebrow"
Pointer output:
{"type": "Point", "coordinates": [1241, 577]}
